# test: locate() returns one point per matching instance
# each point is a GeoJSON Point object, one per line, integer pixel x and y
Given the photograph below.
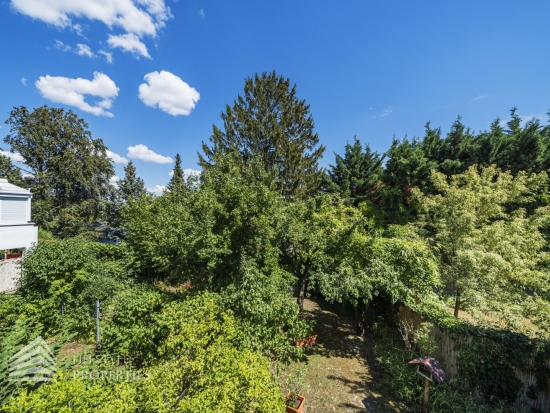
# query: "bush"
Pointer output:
{"type": "Point", "coordinates": [73, 273]}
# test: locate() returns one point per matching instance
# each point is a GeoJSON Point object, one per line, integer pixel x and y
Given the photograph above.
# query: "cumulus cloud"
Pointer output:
{"type": "Point", "coordinates": [187, 173]}
{"type": "Point", "coordinates": [15, 157]}
{"type": "Point", "coordinates": [108, 56]}
{"type": "Point", "coordinates": [84, 50]}
{"type": "Point", "coordinates": [71, 92]}
{"type": "Point", "coordinates": [157, 190]}
{"type": "Point", "coordinates": [116, 158]}
{"type": "Point", "coordinates": [24, 81]}
{"type": "Point", "coordinates": [145, 154]}
{"type": "Point", "coordinates": [114, 179]}
{"type": "Point", "coordinates": [129, 43]}
{"type": "Point", "coordinates": [168, 92]}
{"type": "Point", "coordinates": [142, 17]}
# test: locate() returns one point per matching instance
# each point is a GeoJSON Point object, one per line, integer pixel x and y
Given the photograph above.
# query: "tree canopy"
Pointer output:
{"type": "Point", "coordinates": [270, 124]}
{"type": "Point", "coordinates": [69, 170]}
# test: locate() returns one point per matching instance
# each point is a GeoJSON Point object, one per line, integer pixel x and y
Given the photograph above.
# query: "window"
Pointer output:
{"type": "Point", "coordinates": [13, 210]}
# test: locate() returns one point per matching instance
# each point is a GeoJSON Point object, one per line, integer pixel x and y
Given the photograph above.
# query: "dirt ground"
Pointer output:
{"type": "Point", "coordinates": [341, 373]}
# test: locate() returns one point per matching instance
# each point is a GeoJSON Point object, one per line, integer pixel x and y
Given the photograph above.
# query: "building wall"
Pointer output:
{"type": "Point", "coordinates": [10, 273]}
{"type": "Point", "coordinates": [18, 236]}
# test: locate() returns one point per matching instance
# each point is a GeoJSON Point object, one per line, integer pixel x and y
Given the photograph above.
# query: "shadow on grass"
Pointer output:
{"type": "Point", "coordinates": [361, 388]}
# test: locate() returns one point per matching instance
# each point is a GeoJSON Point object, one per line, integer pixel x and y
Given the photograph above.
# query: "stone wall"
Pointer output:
{"type": "Point", "coordinates": [10, 272]}
{"type": "Point", "coordinates": [447, 354]}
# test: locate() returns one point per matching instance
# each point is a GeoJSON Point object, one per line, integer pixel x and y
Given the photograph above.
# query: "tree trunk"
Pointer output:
{"type": "Point", "coordinates": [302, 292]}
{"type": "Point", "coordinates": [360, 319]}
{"type": "Point", "coordinates": [457, 302]}
{"type": "Point", "coordinates": [303, 281]}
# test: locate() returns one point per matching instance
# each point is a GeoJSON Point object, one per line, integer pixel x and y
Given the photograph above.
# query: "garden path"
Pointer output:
{"type": "Point", "coordinates": [342, 375]}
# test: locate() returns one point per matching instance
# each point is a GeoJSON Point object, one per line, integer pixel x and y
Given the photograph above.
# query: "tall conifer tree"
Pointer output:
{"type": "Point", "coordinates": [358, 173]}
{"type": "Point", "coordinates": [271, 126]}
{"type": "Point", "coordinates": [177, 181]}
{"type": "Point", "coordinates": [131, 186]}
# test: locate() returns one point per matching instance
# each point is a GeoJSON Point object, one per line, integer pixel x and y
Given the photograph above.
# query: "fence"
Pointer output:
{"type": "Point", "coordinates": [448, 355]}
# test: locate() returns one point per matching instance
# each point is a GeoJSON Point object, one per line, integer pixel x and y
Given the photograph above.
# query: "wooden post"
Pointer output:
{"type": "Point", "coordinates": [97, 322]}
{"type": "Point", "coordinates": [426, 396]}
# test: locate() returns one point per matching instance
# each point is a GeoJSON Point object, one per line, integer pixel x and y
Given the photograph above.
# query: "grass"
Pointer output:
{"type": "Point", "coordinates": [340, 373]}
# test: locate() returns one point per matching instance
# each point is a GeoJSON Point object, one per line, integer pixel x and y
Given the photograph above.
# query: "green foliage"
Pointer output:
{"type": "Point", "coordinates": [490, 357]}
{"type": "Point", "coordinates": [177, 181]}
{"type": "Point", "coordinates": [409, 163]}
{"type": "Point", "coordinates": [13, 337]}
{"type": "Point", "coordinates": [489, 256]}
{"type": "Point", "coordinates": [131, 188]}
{"type": "Point", "coordinates": [453, 396]}
{"type": "Point", "coordinates": [69, 394]}
{"type": "Point", "coordinates": [357, 175]}
{"type": "Point", "coordinates": [68, 167]}
{"type": "Point", "coordinates": [201, 364]}
{"type": "Point", "coordinates": [11, 172]}
{"type": "Point", "coordinates": [224, 236]}
{"type": "Point", "coordinates": [131, 325]}
{"type": "Point", "coordinates": [270, 125]}
{"type": "Point", "coordinates": [75, 273]}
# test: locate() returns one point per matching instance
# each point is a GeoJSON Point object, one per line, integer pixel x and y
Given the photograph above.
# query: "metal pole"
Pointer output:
{"type": "Point", "coordinates": [97, 322]}
{"type": "Point", "coordinates": [426, 396]}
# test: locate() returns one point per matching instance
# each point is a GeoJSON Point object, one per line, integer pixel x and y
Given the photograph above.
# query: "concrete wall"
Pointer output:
{"type": "Point", "coordinates": [9, 274]}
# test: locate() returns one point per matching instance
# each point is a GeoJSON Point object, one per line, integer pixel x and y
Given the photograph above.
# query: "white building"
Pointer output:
{"type": "Point", "coordinates": [16, 228]}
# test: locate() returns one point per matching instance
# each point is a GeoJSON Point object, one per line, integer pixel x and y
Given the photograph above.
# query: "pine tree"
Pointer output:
{"type": "Point", "coordinates": [177, 181]}
{"type": "Point", "coordinates": [270, 125]}
{"type": "Point", "coordinates": [357, 174]}
{"type": "Point", "coordinates": [131, 186]}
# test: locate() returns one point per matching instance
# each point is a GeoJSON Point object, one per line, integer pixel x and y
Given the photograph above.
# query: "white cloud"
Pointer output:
{"type": "Point", "coordinates": [84, 50]}
{"type": "Point", "coordinates": [80, 49]}
{"type": "Point", "coordinates": [15, 157]}
{"type": "Point", "coordinates": [24, 81]}
{"type": "Point", "coordinates": [385, 112]}
{"type": "Point", "coordinates": [62, 46]}
{"type": "Point", "coordinates": [108, 56]}
{"type": "Point", "coordinates": [168, 92]}
{"type": "Point", "coordinates": [145, 154]}
{"type": "Point", "coordinates": [116, 158]}
{"type": "Point", "coordinates": [478, 98]}
{"type": "Point", "coordinates": [524, 119]}
{"type": "Point", "coordinates": [157, 190]}
{"type": "Point", "coordinates": [71, 92]}
{"type": "Point", "coordinates": [114, 179]}
{"type": "Point", "coordinates": [27, 175]}
{"type": "Point", "coordinates": [142, 17]}
{"type": "Point", "coordinates": [129, 43]}
{"type": "Point", "coordinates": [201, 13]}
{"type": "Point", "coordinates": [186, 172]}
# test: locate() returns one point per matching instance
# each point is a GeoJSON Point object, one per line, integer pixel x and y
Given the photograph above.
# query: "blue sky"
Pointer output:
{"type": "Point", "coordinates": [151, 76]}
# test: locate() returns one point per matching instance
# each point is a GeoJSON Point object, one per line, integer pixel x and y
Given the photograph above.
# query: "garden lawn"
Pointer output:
{"type": "Point", "coordinates": [341, 374]}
